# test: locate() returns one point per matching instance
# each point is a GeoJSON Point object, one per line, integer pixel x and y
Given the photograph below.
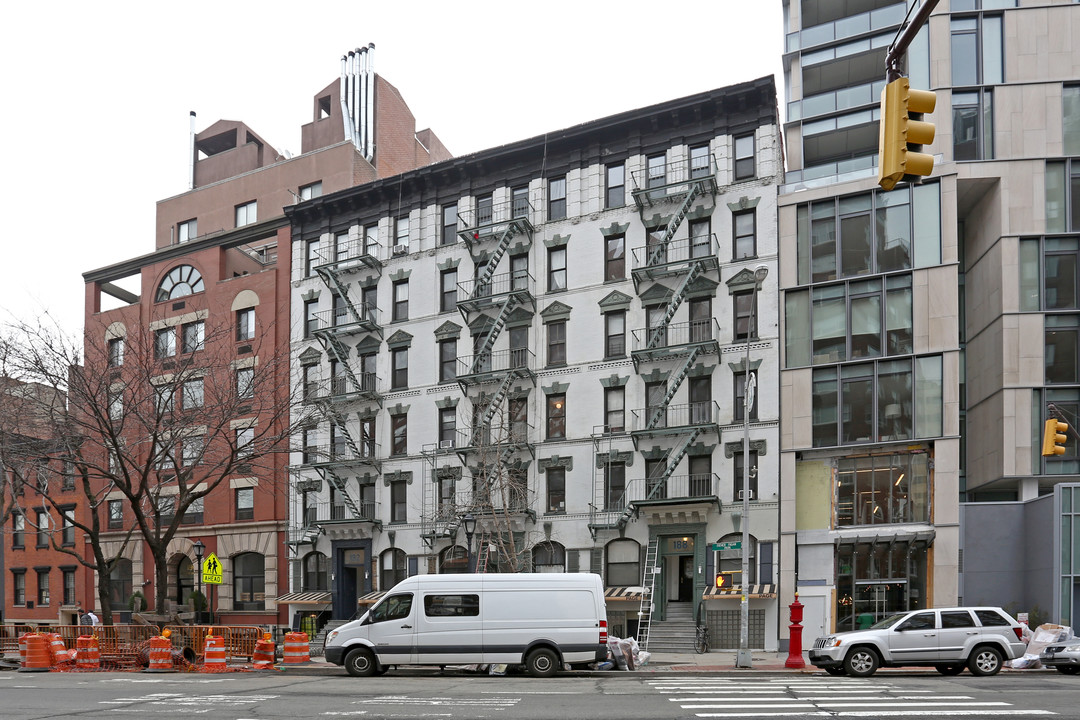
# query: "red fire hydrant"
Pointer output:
{"type": "Point", "coordinates": [794, 658]}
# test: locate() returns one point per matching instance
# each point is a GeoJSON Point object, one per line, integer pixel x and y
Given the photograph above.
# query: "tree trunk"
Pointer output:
{"type": "Point", "coordinates": [161, 580]}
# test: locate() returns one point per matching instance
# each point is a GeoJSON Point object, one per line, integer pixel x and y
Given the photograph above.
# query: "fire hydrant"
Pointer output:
{"type": "Point", "coordinates": [794, 659]}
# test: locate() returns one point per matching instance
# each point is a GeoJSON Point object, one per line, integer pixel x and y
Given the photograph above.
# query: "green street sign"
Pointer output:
{"type": "Point", "coordinates": [729, 545]}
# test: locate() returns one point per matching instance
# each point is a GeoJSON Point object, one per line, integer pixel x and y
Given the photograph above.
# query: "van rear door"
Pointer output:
{"type": "Point", "coordinates": [391, 628]}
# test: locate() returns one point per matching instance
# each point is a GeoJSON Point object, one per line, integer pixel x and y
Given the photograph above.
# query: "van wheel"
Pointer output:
{"type": "Point", "coordinates": [986, 660]}
{"type": "Point", "coordinates": [541, 663]}
{"type": "Point", "coordinates": [360, 663]}
{"type": "Point", "coordinates": [861, 662]}
{"type": "Point", "coordinates": [949, 669]}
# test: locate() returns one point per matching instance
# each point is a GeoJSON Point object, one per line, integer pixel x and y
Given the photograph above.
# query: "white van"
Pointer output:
{"type": "Point", "coordinates": [541, 620]}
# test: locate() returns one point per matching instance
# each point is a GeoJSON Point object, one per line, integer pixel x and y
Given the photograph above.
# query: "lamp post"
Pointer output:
{"type": "Point", "coordinates": [469, 523]}
{"type": "Point", "coordinates": [743, 658]}
{"type": "Point", "coordinates": [198, 545]}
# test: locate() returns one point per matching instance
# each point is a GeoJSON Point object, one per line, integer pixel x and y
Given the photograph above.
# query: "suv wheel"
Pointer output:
{"type": "Point", "coordinates": [986, 660]}
{"type": "Point", "coordinates": [861, 662]}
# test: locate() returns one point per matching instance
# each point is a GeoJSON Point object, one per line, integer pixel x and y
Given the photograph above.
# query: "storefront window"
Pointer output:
{"type": "Point", "coordinates": [882, 489]}
{"type": "Point", "coordinates": [878, 579]}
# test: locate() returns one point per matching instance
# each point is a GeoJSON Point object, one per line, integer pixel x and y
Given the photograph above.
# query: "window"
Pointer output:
{"type": "Point", "coordinates": [371, 240]}
{"type": "Point", "coordinates": [191, 451]}
{"type": "Point", "coordinates": [744, 157]}
{"type": "Point", "coordinates": [745, 315]}
{"type": "Point", "coordinates": [116, 352]}
{"type": "Point", "coordinates": [447, 427]}
{"type": "Point", "coordinates": [614, 486]}
{"type": "Point", "coordinates": [192, 395]}
{"type": "Point", "coordinates": [701, 402]}
{"type": "Point", "coordinates": [339, 311]}
{"type": "Point", "coordinates": [700, 166]}
{"type": "Point", "coordinates": [316, 572]}
{"type": "Point", "coordinates": [701, 324]}
{"type": "Point", "coordinates": [399, 370]}
{"type": "Point", "coordinates": [976, 50]}
{"type": "Point", "coordinates": [245, 383]}
{"type": "Point", "coordinates": [401, 232]}
{"type": "Point", "coordinates": [557, 198]}
{"type": "Point", "coordinates": [519, 272]}
{"type": "Point", "coordinates": [614, 409]}
{"type": "Point", "coordinates": [615, 177]}
{"type": "Point", "coordinates": [882, 489]}
{"type": "Point", "coordinates": [1061, 349]}
{"type": "Point", "coordinates": [187, 231]}
{"type": "Point", "coordinates": [313, 258]}
{"type": "Point", "coordinates": [744, 232]}
{"type": "Point", "coordinates": [245, 324]}
{"type": "Point", "coordinates": [973, 125]}
{"type": "Point", "coordinates": [399, 431]}
{"type": "Point", "coordinates": [519, 347]}
{"type": "Point", "coordinates": [657, 171]}
{"type": "Point", "coordinates": [18, 590]}
{"type": "Point", "coordinates": [193, 336]}
{"type": "Point", "coordinates": [615, 258]}
{"type": "Point", "coordinates": [116, 514]}
{"type": "Point", "coordinates": [483, 209]}
{"type": "Point", "coordinates": [519, 202]}
{"type": "Point", "coordinates": [401, 301]}
{"type": "Point", "coordinates": [246, 213]}
{"type": "Point", "coordinates": [452, 605]}
{"type": "Point", "coordinates": [392, 564]}
{"type": "Point", "coordinates": [314, 190]}
{"type": "Point", "coordinates": [737, 476]}
{"type": "Point", "coordinates": [556, 343]}
{"type": "Point", "coordinates": [245, 503]}
{"type": "Point", "coordinates": [623, 563]}
{"type": "Point", "coordinates": [245, 439]}
{"type": "Point", "coordinates": [311, 318]}
{"type": "Point", "coordinates": [43, 588]}
{"type": "Point", "coordinates": [556, 269]}
{"type": "Point", "coordinates": [42, 529]}
{"type": "Point", "coordinates": [729, 562]}
{"type": "Point", "coordinates": [69, 586]}
{"type": "Point", "coordinates": [164, 343]}
{"type": "Point", "coordinates": [67, 526]}
{"type": "Point", "coordinates": [556, 490]}
{"type": "Point", "coordinates": [701, 476]}
{"type": "Point", "coordinates": [1070, 118]}
{"type": "Point", "coordinates": [556, 416]}
{"type": "Point", "coordinates": [18, 530]}
{"type": "Point", "coordinates": [740, 399]}
{"type": "Point", "coordinates": [448, 296]}
{"type": "Point", "coordinates": [181, 281]}
{"type": "Point", "coordinates": [248, 581]}
{"type": "Point", "coordinates": [398, 494]}
{"type": "Point", "coordinates": [655, 408]}
{"type": "Point", "coordinates": [449, 224]}
{"type": "Point", "coordinates": [194, 513]}
{"type": "Point", "coordinates": [67, 476]}
{"type": "Point", "coordinates": [448, 360]}
{"type": "Point", "coordinates": [116, 404]}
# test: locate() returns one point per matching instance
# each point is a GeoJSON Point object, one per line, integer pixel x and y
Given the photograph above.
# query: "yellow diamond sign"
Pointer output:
{"type": "Point", "coordinates": [211, 570]}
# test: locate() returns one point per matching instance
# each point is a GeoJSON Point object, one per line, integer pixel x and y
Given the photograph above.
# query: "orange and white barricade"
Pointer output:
{"type": "Point", "coordinates": [214, 654]}
{"type": "Point", "coordinates": [88, 653]}
{"type": "Point", "coordinates": [37, 657]}
{"type": "Point", "coordinates": [160, 655]}
{"type": "Point", "coordinates": [58, 653]}
{"type": "Point", "coordinates": [22, 649]}
{"type": "Point", "coordinates": [297, 650]}
{"type": "Point", "coordinates": [264, 653]}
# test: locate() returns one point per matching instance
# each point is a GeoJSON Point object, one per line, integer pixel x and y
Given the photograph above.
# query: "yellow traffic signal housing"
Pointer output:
{"type": "Point", "coordinates": [726, 580]}
{"type": "Point", "coordinates": [902, 133]}
{"type": "Point", "coordinates": [1054, 437]}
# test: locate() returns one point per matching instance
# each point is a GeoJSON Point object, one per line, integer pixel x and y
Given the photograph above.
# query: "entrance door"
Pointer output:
{"type": "Point", "coordinates": [686, 578]}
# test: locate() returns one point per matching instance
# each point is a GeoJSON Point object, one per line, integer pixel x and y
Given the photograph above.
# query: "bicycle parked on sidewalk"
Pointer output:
{"type": "Point", "coordinates": [701, 634]}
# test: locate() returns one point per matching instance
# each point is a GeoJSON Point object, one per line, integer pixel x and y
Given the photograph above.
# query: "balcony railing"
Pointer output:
{"type": "Point", "coordinates": [674, 417]}
{"type": "Point", "coordinates": [341, 320]}
{"type": "Point", "coordinates": [675, 338]}
{"type": "Point", "coordinates": [690, 488]}
{"type": "Point", "coordinates": [321, 512]}
{"type": "Point", "coordinates": [342, 388]}
{"type": "Point", "coordinates": [349, 254]}
{"type": "Point", "coordinates": [489, 220]}
{"type": "Point", "coordinates": [651, 258]}
{"type": "Point", "coordinates": [478, 368]}
{"type": "Point", "coordinates": [852, 26]}
{"type": "Point", "coordinates": [503, 497]}
{"type": "Point", "coordinates": [672, 180]}
{"type": "Point", "coordinates": [339, 452]}
{"type": "Point", "coordinates": [474, 295]}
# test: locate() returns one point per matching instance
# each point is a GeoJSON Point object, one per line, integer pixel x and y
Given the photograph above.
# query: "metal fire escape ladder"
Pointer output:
{"type": "Point", "coordinates": [332, 478]}
{"type": "Point", "coordinates": [496, 327]}
{"type": "Point", "coordinates": [676, 380]}
{"type": "Point", "coordinates": [504, 458]}
{"type": "Point", "coordinates": [330, 277]}
{"type": "Point", "coordinates": [493, 405]}
{"type": "Point", "coordinates": [484, 280]}
{"type": "Point", "coordinates": [339, 422]}
{"type": "Point", "coordinates": [660, 248]}
{"type": "Point", "coordinates": [648, 586]}
{"type": "Point", "coordinates": [673, 460]}
{"type": "Point", "coordinates": [337, 351]}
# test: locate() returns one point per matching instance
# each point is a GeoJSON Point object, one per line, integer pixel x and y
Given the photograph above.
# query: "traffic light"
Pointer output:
{"type": "Point", "coordinates": [903, 132]}
{"type": "Point", "coordinates": [1054, 437]}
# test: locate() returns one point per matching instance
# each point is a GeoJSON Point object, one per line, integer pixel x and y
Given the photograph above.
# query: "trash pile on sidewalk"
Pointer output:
{"type": "Point", "coordinates": [624, 654]}
{"type": "Point", "coordinates": [1037, 641]}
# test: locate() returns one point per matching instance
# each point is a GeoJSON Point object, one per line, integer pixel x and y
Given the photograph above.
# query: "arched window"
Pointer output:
{"type": "Point", "coordinates": [316, 568]}
{"type": "Point", "coordinates": [182, 280]}
{"type": "Point", "coordinates": [454, 559]}
{"type": "Point", "coordinates": [730, 561]}
{"type": "Point", "coordinates": [120, 584]}
{"type": "Point", "coordinates": [623, 563]}
{"type": "Point", "coordinates": [185, 579]}
{"type": "Point", "coordinates": [248, 581]}
{"type": "Point", "coordinates": [392, 568]}
{"type": "Point", "coordinates": [549, 557]}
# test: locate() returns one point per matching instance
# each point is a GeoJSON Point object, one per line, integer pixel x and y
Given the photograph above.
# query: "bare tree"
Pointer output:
{"type": "Point", "coordinates": [160, 416]}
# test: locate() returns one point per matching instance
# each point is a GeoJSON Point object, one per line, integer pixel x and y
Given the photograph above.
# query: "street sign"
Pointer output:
{"type": "Point", "coordinates": [211, 570]}
{"type": "Point", "coordinates": [729, 545]}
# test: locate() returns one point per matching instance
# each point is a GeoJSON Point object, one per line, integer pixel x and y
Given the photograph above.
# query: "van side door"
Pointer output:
{"type": "Point", "coordinates": [391, 628]}
{"type": "Point", "coordinates": [449, 629]}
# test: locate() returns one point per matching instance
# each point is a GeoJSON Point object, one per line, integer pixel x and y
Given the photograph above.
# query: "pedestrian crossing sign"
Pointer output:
{"type": "Point", "coordinates": [211, 570]}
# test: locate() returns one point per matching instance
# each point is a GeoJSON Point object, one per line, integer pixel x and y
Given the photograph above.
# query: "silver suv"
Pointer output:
{"type": "Point", "coordinates": [948, 639]}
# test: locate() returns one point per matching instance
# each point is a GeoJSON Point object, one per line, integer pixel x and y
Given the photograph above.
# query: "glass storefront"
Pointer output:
{"type": "Point", "coordinates": [878, 577]}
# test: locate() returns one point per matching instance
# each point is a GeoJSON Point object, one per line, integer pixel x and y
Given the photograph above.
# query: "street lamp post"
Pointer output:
{"type": "Point", "coordinates": [743, 658]}
{"type": "Point", "coordinates": [198, 545]}
{"type": "Point", "coordinates": [469, 523]}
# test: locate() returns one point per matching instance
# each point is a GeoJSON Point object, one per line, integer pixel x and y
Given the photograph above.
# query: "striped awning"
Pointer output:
{"type": "Point", "coordinates": [754, 591]}
{"type": "Point", "coordinates": [305, 598]}
{"type": "Point", "coordinates": [633, 592]}
{"type": "Point", "coordinates": [371, 598]}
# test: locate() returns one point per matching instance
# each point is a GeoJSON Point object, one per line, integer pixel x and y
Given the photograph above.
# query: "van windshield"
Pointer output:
{"type": "Point", "coordinates": [394, 607]}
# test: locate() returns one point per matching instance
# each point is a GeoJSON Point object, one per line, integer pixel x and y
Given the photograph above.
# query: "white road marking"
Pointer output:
{"type": "Point", "coordinates": [951, 713]}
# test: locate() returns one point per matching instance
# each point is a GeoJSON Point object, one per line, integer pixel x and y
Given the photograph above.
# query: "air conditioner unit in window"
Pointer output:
{"type": "Point", "coordinates": [749, 491]}
{"type": "Point", "coordinates": [443, 444]}
{"type": "Point", "coordinates": [401, 250]}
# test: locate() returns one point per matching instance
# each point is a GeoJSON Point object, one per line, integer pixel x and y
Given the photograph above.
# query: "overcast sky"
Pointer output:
{"type": "Point", "coordinates": [97, 95]}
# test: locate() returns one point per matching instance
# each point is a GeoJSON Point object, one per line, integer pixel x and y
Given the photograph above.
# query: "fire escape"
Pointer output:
{"type": "Point", "coordinates": [348, 396]}
{"type": "Point", "coordinates": [668, 271]}
{"type": "Point", "coordinates": [498, 434]}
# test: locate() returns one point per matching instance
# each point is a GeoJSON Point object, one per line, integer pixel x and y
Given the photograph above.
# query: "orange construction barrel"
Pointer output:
{"type": "Point", "coordinates": [214, 654]}
{"type": "Point", "coordinates": [37, 654]}
{"type": "Point", "coordinates": [297, 649]}
{"type": "Point", "coordinates": [160, 655]}
{"type": "Point", "coordinates": [88, 653]}
{"type": "Point", "coordinates": [58, 652]}
{"type": "Point", "coordinates": [264, 653]}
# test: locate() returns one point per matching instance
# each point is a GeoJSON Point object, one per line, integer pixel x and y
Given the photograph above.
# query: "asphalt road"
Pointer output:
{"type": "Point", "coordinates": [618, 696]}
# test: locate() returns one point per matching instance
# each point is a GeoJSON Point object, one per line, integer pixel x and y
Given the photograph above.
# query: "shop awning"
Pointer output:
{"type": "Point", "coordinates": [371, 598]}
{"type": "Point", "coordinates": [632, 593]}
{"type": "Point", "coordinates": [305, 598]}
{"type": "Point", "coordinates": [925, 537]}
{"type": "Point", "coordinates": [757, 592]}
